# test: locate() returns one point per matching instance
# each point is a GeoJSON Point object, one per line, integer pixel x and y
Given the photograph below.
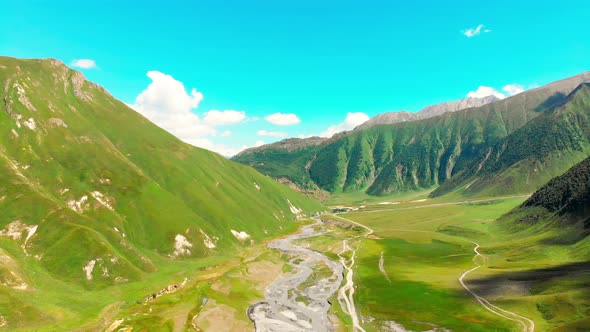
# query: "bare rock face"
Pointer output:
{"type": "Point", "coordinates": [427, 112]}
{"type": "Point", "coordinates": [289, 144]}
{"type": "Point", "coordinates": [453, 106]}
{"type": "Point", "coordinates": [78, 81]}
{"type": "Point", "coordinates": [388, 118]}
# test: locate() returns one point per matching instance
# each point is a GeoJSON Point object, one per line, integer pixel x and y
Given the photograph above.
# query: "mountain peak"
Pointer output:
{"type": "Point", "coordinates": [427, 112]}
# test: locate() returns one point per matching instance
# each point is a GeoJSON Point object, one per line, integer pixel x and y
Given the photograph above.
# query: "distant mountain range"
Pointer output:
{"type": "Point", "coordinates": [293, 144]}
{"type": "Point", "coordinates": [427, 112]}
{"type": "Point", "coordinates": [512, 145]}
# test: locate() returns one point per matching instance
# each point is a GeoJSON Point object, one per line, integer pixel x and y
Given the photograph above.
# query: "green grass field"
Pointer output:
{"type": "Point", "coordinates": [427, 245]}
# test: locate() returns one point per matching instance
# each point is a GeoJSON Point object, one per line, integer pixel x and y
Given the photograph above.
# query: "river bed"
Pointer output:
{"type": "Point", "coordinates": [291, 306]}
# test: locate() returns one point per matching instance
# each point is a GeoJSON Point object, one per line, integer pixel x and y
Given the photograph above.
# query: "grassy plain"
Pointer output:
{"type": "Point", "coordinates": [427, 245]}
{"type": "Point", "coordinates": [218, 290]}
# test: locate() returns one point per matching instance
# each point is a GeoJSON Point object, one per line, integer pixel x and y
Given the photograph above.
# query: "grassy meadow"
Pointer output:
{"type": "Point", "coordinates": [426, 245]}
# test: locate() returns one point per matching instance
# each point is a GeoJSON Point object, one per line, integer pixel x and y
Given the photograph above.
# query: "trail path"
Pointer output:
{"type": "Point", "coordinates": [382, 267]}
{"type": "Point", "coordinates": [528, 325]}
{"type": "Point", "coordinates": [440, 204]}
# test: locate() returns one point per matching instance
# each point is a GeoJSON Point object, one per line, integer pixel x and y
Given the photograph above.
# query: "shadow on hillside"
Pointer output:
{"type": "Point", "coordinates": [534, 281]}
{"type": "Point", "coordinates": [551, 101]}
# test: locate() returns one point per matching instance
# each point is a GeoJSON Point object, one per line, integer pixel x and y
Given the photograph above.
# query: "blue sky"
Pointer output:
{"type": "Point", "coordinates": [318, 60]}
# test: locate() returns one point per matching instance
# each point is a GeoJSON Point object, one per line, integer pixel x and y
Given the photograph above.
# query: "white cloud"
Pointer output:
{"type": "Point", "coordinates": [352, 120]}
{"type": "Point", "coordinates": [513, 89]}
{"type": "Point", "coordinates": [484, 91]}
{"type": "Point", "coordinates": [84, 63]}
{"type": "Point", "coordinates": [222, 149]}
{"type": "Point", "coordinates": [472, 32]}
{"type": "Point", "coordinates": [167, 103]}
{"type": "Point", "coordinates": [217, 118]}
{"type": "Point", "coordinates": [166, 94]}
{"type": "Point", "coordinates": [283, 119]}
{"type": "Point", "coordinates": [271, 133]}
{"type": "Point", "coordinates": [259, 143]}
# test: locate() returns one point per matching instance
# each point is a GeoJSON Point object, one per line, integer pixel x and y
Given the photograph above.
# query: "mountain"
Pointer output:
{"type": "Point", "coordinates": [282, 160]}
{"type": "Point", "coordinates": [545, 147]}
{"type": "Point", "coordinates": [512, 145]}
{"type": "Point", "coordinates": [453, 106]}
{"type": "Point", "coordinates": [93, 194]}
{"type": "Point", "coordinates": [427, 112]}
{"type": "Point", "coordinates": [388, 118]}
{"type": "Point", "coordinates": [286, 160]}
{"type": "Point", "coordinates": [544, 244]}
{"type": "Point", "coordinates": [564, 200]}
{"type": "Point", "coordinates": [568, 194]}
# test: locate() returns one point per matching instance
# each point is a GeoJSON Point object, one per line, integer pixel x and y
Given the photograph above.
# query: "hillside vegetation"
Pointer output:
{"type": "Point", "coordinates": [499, 148]}
{"type": "Point", "coordinates": [94, 195]}
{"type": "Point", "coordinates": [563, 202]}
{"type": "Point", "coordinates": [566, 194]}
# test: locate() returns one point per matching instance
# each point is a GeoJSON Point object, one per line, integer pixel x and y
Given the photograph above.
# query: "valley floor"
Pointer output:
{"type": "Point", "coordinates": [440, 266]}
{"type": "Point", "coordinates": [414, 265]}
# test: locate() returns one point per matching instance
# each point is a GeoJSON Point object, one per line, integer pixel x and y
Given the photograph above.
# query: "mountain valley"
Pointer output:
{"type": "Point", "coordinates": [473, 219]}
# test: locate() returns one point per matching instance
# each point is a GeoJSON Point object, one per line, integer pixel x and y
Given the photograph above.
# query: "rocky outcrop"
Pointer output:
{"type": "Point", "coordinates": [427, 112]}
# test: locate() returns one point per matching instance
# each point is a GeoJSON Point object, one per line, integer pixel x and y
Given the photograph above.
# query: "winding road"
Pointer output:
{"type": "Point", "coordinates": [527, 324]}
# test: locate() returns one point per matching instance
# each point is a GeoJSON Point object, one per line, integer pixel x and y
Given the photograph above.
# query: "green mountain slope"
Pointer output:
{"type": "Point", "coordinates": [94, 194]}
{"type": "Point", "coordinates": [544, 148]}
{"type": "Point", "coordinates": [561, 205]}
{"type": "Point", "coordinates": [287, 160]}
{"type": "Point", "coordinates": [567, 195]}
{"type": "Point", "coordinates": [539, 255]}
{"type": "Point", "coordinates": [449, 149]}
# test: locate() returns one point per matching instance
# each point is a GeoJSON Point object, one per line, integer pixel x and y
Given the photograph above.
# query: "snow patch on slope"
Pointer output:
{"type": "Point", "coordinates": [181, 246]}
{"type": "Point", "coordinates": [293, 208]}
{"type": "Point", "coordinates": [89, 268]}
{"type": "Point", "coordinates": [30, 232]}
{"type": "Point", "coordinates": [207, 241]}
{"type": "Point", "coordinates": [242, 236]}
{"type": "Point", "coordinates": [22, 97]}
{"type": "Point", "coordinates": [57, 122]}
{"type": "Point", "coordinates": [30, 123]}
{"type": "Point", "coordinates": [102, 199]}
{"type": "Point", "coordinates": [79, 205]}
{"type": "Point", "coordinates": [16, 229]}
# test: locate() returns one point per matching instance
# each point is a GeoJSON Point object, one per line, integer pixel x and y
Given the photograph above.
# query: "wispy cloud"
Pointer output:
{"type": "Point", "coordinates": [218, 118]}
{"type": "Point", "coordinates": [271, 133]}
{"type": "Point", "coordinates": [283, 119]}
{"type": "Point", "coordinates": [485, 91]}
{"type": "Point", "coordinates": [168, 104]}
{"type": "Point", "coordinates": [513, 89]}
{"type": "Point", "coordinates": [84, 63]}
{"type": "Point", "coordinates": [472, 32]}
{"type": "Point", "coordinates": [352, 120]}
